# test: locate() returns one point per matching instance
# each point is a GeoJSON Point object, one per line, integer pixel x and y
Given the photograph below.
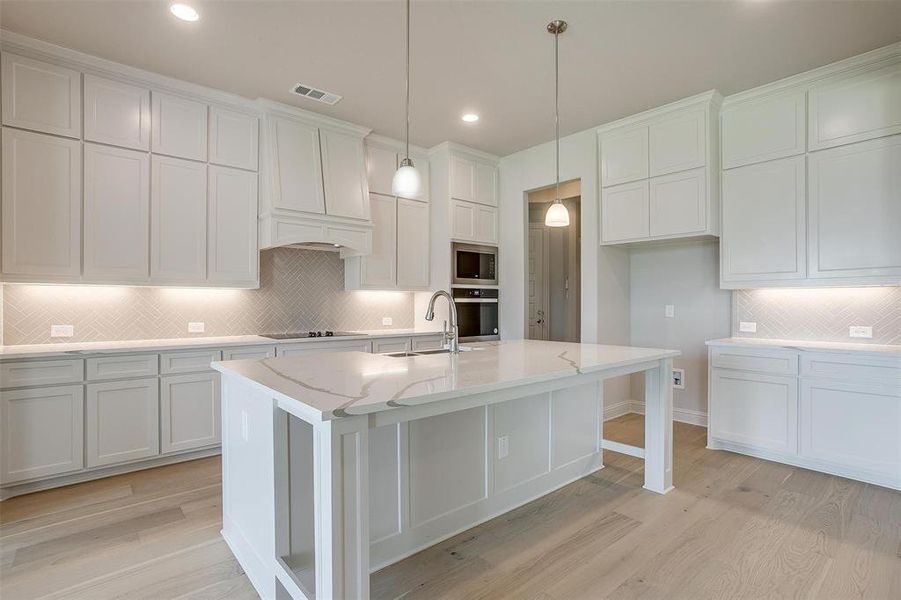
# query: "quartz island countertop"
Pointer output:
{"type": "Point", "coordinates": [355, 383]}
{"type": "Point", "coordinates": [807, 345]}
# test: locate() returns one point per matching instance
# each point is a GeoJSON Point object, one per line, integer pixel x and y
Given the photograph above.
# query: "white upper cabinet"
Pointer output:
{"type": "Point", "coordinates": [678, 203]}
{"type": "Point", "coordinates": [764, 129]}
{"type": "Point", "coordinates": [677, 143]}
{"type": "Point", "coordinates": [234, 138]}
{"type": "Point", "coordinates": [463, 220]}
{"type": "Point", "coordinates": [232, 253]}
{"type": "Point", "coordinates": [853, 109]}
{"type": "Point", "coordinates": [343, 174]}
{"type": "Point", "coordinates": [486, 225]}
{"type": "Point", "coordinates": [297, 166]}
{"type": "Point", "coordinates": [378, 270]}
{"type": "Point", "coordinates": [40, 96]}
{"type": "Point", "coordinates": [116, 113]}
{"type": "Point", "coordinates": [624, 155]}
{"type": "Point", "coordinates": [625, 212]}
{"type": "Point", "coordinates": [41, 206]}
{"type": "Point", "coordinates": [855, 210]}
{"type": "Point", "coordinates": [412, 244]}
{"type": "Point", "coordinates": [179, 126]}
{"type": "Point", "coordinates": [658, 173]}
{"type": "Point", "coordinates": [381, 163]}
{"type": "Point", "coordinates": [462, 178]}
{"type": "Point", "coordinates": [763, 223]}
{"type": "Point", "coordinates": [178, 220]}
{"type": "Point", "coordinates": [486, 184]}
{"type": "Point", "coordinates": [116, 214]}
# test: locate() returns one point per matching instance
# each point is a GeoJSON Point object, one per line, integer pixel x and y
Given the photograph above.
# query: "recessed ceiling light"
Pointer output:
{"type": "Point", "coordinates": [470, 117]}
{"type": "Point", "coordinates": [184, 12]}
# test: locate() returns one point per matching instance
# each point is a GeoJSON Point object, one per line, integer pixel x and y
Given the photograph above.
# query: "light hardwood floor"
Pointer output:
{"type": "Point", "coordinates": [734, 527]}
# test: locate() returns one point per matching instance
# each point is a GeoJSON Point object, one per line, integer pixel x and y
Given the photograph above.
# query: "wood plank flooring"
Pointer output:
{"type": "Point", "coordinates": [734, 527]}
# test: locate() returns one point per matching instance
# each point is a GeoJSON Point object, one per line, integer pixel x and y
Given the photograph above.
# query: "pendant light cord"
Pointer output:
{"type": "Point", "coordinates": [557, 108]}
{"type": "Point", "coordinates": [407, 50]}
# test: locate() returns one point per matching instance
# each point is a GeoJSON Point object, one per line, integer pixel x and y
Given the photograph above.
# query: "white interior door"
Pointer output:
{"type": "Point", "coordinates": [538, 288]}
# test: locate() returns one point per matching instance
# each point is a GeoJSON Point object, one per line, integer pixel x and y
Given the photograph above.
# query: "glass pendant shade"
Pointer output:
{"type": "Point", "coordinates": [406, 182]}
{"type": "Point", "coordinates": [557, 215]}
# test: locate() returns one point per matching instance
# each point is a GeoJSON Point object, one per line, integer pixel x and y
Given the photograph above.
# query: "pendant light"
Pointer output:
{"type": "Point", "coordinates": [406, 181]}
{"type": "Point", "coordinates": [557, 214]}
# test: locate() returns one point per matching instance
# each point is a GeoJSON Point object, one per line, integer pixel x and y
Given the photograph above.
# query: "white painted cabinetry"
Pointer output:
{"type": "Point", "coordinates": [178, 126]}
{"type": "Point", "coordinates": [344, 179]}
{"type": "Point", "coordinates": [832, 411]}
{"type": "Point", "coordinates": [42, 432]}
{"type": "Point", "coordinates": [40, 96]}
{"type": "Point", "coordinates": [116, 113]}
{"type": "Point", "coordinates": [659, 173]}
{"type": "Point", "coordinates": [379, 269]}
{"type": "Point", "coordinates": [383, 155]}
{"type": "Point", "coordinates": [189, 411]}
{"type": "Point", "coordinates": [412, 244]}
{"type": "Point", "coordinates": [232, 221]}
{"type": "Point", "coordinates": [234, 138]}
{"type": "Point", "coordinates": [473, 191]}
{"type": "Point", "coordinates": [764, 129]}
{"type": "Point", "coordinates": [122, 421]}
{"type": "Point", "coordinates": [296, 167]}
{"type": "Point", "coordinates": [116, 214]}
{"type": "Point", "coordinates": [473, 180]}
{"type": "Point", "coordinates": [178, 217]}
{"type": "Point", "coordinates": [473, 222]}
{"type": "Point", "coordinates": [41, 206]}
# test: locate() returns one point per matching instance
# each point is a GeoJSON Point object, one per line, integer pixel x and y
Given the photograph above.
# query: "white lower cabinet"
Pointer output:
{"type": "Point", "coordinates": [316, 347]}
{"type": "Point", "coordinates": [42, 432]}
{"type": "Point", "coordinates": [189, 411]}
{"type": "Point", "coordinates": [755, 409]}
{"type": "Point", "coordinates": [841, 415]}
{"type": "Point", "coordinates": [122, 421]}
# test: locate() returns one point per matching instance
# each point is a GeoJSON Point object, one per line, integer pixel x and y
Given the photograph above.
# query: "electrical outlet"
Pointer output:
{"type": "Point", "coordinates": [747, 326]}
{"type": "Point", "coordinates": [503, 446]}
{"type": "Point", "coordinates": [62, 330]}
{"type": "Point", "coordinates": [387, 321]}
{"type": "Point", "coordinates": [669, 310]}
{"type": "Point", "coordinates": [860, 331]}
{"type": "Point", "coordinates": [196, 327]}
{"type": "Point", "coordinates": [679, 379]}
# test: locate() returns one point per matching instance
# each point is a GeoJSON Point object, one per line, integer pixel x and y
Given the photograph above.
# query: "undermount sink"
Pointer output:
{"type": "Point", "coordinates": [428, 352]}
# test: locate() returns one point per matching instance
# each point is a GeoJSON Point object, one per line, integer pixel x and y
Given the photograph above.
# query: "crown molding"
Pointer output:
{"type": "Point", "coordinates": [710, 98]}
{"type": "Point", "coordinates": [399, 146]}
{"type": "Point", "coordinates": [465, 150]}
{"type": "Point", "coordinates": [308, 116]}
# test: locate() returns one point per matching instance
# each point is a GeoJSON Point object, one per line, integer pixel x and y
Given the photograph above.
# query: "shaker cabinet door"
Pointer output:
{"type": "Point", "coordinates": [486, 184]}
{"type": "Point", "coordinates": [234, 138]}
{"type": "Point", "coordinates": [178, 126]}
{"type": "Point", "coordinates": [122, 421]}
{"type": "Point", "coordinates": [178, 217]}
{"type": "Point", "coordinates": [189, 411]}
{"type": "Point", "coordinates": [297, 174]}
{"type": "Point", "coordinates": [412, 244]}
{"type": "Point", "coordinates": [764, 129]}
{"type": "Point", "coordinates": [343, 175]}
{"type": "Point", "coordinates": [463, 220]}
{"type": "Point", "coordinates": [677, 143]}
{"type": "Point", "coordinates": [678, 203]}
{"type": "Point", "coordinates": [625, 212]}
{"type": "Point", "coordinates": [41, 206]}
{"type": "Point", "coordinates": [40, 96]}
{"type": "Point", "coordinates": [462, 179]}
{"type": "Point", "coordinates": [233, 254]}
{"type": "Point", "coordinates": [116, 113]}
{"type": "Point", "coordinates": [381, 163]}
{"type": "Point", "coordinates": [624, 155]}
{"type": "Point", "coordinates": [378, 268]}
{"type": "Point", "coordinates": [116, 214]}
{"type": "Point", "coordinates": [486, 225]}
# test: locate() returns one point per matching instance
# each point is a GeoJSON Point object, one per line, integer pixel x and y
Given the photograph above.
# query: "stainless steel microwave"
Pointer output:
{"type": "Point", "coordinates": [474, 265]}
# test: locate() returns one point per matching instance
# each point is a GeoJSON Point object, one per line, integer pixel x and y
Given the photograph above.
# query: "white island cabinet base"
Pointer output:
{"type": "Point", "coordinates": [337, 465]}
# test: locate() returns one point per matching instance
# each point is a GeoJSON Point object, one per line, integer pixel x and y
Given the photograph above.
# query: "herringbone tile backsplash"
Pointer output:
{"type": "Point", "coordinates": [820, 314]}
{"type": "Point", "coordinates": [299, 290]}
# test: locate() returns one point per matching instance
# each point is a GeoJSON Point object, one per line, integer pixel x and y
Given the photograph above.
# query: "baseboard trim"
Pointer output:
{"type": "Point", "coordinates": [683, 415]}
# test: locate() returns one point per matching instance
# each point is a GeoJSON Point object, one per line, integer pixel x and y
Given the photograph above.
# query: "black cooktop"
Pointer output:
{"type": "Point", "coordinates": [305, 334]}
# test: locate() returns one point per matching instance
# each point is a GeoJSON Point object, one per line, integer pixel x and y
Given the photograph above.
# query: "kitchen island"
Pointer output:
{"type": "Point", "coordinates": [338, 464]}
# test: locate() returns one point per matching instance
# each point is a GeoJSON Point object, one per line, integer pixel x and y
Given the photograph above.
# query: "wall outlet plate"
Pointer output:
{"type": "Point", "coordinates": [669, 310]}
{"type": "Point", "coordinates": [62, 330]}
{"type": "Point", "coordinates": [196, 327]}
{"type": "Point", "coordinates": [860, 331]}
{"type": "Point", "coordinates": [679, 379]}
{"type": "Point", "coordinates": [387, 321]}
{"type": "Point", "coordinates": [503, 446]}
{"type": "Point", "coordinates": [747, 326]}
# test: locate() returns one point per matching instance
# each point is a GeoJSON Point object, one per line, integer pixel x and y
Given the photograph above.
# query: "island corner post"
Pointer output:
{"type": "Point", "coordinates": [306, 533]}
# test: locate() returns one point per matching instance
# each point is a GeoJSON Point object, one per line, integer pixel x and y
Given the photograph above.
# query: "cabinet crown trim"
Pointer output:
{"type": "Point", "coordinates": [711, 97]}
{"type": "Point", "coordinates": [271, 107]}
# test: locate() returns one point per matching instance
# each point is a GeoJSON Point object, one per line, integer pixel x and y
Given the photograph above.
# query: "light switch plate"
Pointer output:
{"type": "Point", "coordinates": [62, 330]}
{"type": "Point", "coordinates": [670, 310]}
{"type": "Point", "coordinates": [196, 327]}
{"type": "Point", "coordinates": [747, 326]}
{"type": "Point", "coordinates": [503, 446]}
{"type": "Point", "coordinates": [860, 331]}
{"type": "Point", "coordinates": [387, 321]}
{"type": "Point", "coordinates": [679, 378]}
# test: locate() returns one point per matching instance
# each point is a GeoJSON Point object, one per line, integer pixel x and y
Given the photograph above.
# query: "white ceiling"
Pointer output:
{"type": "Point", "coordinates": [493, 58]}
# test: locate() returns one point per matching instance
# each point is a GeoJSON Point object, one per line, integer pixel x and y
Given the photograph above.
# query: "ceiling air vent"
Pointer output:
{"type": "Point", "coordinates": [314, 94]}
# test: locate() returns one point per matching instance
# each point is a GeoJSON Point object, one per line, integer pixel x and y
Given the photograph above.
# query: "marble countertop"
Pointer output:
{"type": "Point", "coordinates": [88, 348]}
{"type": "Point", "coordinates": [806, 345]}
{"type": "Point", "coordinates": [354, 383]}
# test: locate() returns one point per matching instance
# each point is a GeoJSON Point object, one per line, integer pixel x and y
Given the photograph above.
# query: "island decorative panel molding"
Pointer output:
{"type": "Point", "coordinates": [299, 290]}
{"type": "Point", "coordinates": [821, 314]}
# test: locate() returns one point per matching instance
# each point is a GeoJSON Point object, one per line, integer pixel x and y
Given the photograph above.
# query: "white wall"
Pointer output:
{"type": "Point", "coordinates": [684, 274]}
{"type": "Point", "coordinates": [605, 271]}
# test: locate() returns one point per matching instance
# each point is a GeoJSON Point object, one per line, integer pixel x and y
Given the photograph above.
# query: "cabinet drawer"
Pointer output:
{"type": "Point", "coordinates": [117, 367]}
{"type": "Point", "coordinates": [428, 343]}
{"type": "Point", "coordinates": [391, 345]}
{"type": "Point", "coordinates": [776, 361]}
{"type": "Point", "coordinates": [248, 353]}
{"type": "Point", "coordinates": [315, 347]}
{"type": "Point", "coordinates": [188, 362]}
{"type": "Point", "coordinates": [41, 372]}
{"type": "Point", "coordinates": [851, 367]}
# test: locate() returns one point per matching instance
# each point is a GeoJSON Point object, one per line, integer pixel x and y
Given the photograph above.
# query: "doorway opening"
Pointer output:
{"type": "Point", "coordinates": [553, 269]}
